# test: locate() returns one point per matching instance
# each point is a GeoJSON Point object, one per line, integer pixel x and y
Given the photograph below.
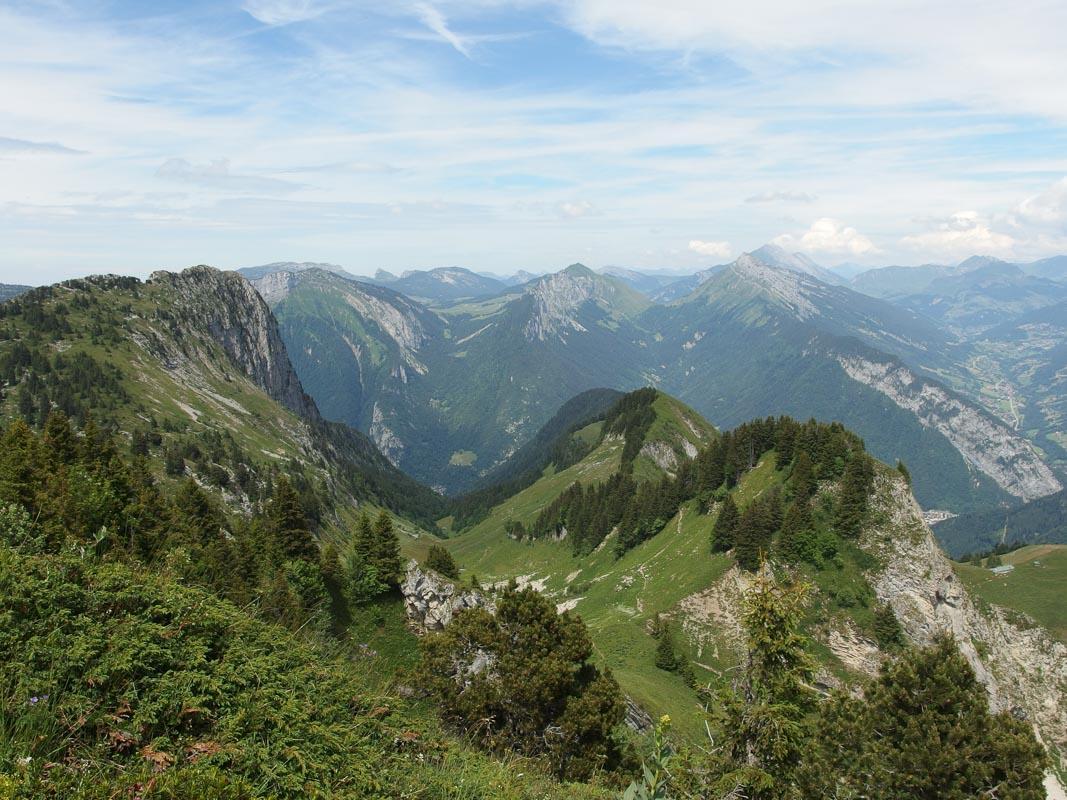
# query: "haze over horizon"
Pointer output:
{"type": "Point", "coordinates": [501, 136]}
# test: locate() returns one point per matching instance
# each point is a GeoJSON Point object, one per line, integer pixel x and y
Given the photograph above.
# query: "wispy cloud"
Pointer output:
{"type": "Point", "coordinates": [283, 12]}
{"type": "Point", "coordinates": [25, 146]}
{"type": "Point", "coordinates": [781, 197]}
{"type": "Point", "coordinates": [433, 19]}
{"type": "Point", "coordinates": [217, 175]}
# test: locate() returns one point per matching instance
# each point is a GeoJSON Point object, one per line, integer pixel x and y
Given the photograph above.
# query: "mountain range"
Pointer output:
{"type": "Point", "coordinates": [448, 390]}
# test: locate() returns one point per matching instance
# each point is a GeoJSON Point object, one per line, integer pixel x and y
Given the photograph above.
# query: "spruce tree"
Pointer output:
{"type": "Point", "coordinates": [802, 477]}
{"type": "Point", "coordinates": [924, 729]}
{"type": "Point", "coordinates": [440, 560]}
{"type": "Point", "coordinates": [851, 507]}
{"type": "Point", "coordinates": [666, 658]}
{"type": "Point", "coordinates": [724, 534]}
{"type": "Point", "coordinates": [763, 718]}
{"type": "Point", "coordinates": [288, 524]}
{"type": "Point", "coordinates": [387, 550]}
{"type": "Point", "coordinates": [796, 524]}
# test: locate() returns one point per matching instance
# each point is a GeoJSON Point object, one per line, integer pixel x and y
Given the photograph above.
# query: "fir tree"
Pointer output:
{"type": "Point", "coordinates": [724, 534]}
{"type": "Point", "coordinates": [924, 729]}
{"type": "Point", "coordinates": [440, 560]}
{"type": "Point", "coordinates": [288, 524]}
{"type": "Point", "coordinates": [763, 718]}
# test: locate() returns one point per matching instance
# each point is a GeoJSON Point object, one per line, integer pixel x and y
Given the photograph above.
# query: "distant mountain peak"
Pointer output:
{"type": "Point", "coordinates": [579, 269]}
{"type": "Point", "coordinates": [558, 297]}
{"type": "Point", "coordinates": [777, 256]}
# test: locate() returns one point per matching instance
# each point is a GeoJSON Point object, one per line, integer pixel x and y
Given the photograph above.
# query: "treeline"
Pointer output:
{"type": "Point", "coordinates": [64, 489]}
{"type": "Point", "coordinates": [811, 452]}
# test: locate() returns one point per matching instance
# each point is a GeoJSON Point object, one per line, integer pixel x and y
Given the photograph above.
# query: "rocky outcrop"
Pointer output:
{"type": "Point", "coordinates": [986, 443]}
{"type": "Point", "coordinates": [209, 307]}
{"type": "Point", "coordinates": [661, 454]}
{"type": "Point", "coordinates": [431, 601]}
{"type": "Point", "coordinates": [1023, 668]}
{"type": "Point", "coordinates": [390, 445]}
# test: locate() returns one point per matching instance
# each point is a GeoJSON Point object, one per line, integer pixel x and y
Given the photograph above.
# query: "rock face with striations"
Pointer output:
{"type": "Point", "coordinates": [229, 309]}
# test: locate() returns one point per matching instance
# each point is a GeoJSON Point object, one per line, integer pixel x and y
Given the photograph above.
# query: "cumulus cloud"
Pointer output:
{"type": "Point", "coordinates": [713, 249]}
{"type": "Point", "coordinates": [282, 12]}
{"type": "Point", "coordinates": [216, 175]}
{"type": "Point", "coordinates": [576, 209]}
{"type": "Point", "coordinates": [1047, 208]}
{"type": "Point", "coordinates": [830, 236]}
{"type": "Point", "coordinates": [782, 197]}
{"type": "Point", "coordinates": [963, 234]}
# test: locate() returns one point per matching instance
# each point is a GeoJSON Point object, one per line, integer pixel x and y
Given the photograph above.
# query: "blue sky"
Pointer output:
{"type": "Point", "coordinates": [526, 135]}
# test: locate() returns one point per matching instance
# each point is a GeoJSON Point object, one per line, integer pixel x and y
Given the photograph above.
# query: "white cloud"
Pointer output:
{"type": "Point", "coordinates": [435, 21]}
{"type": "Point", "coordinates": [282, 12]}
{"type": "Point", "coordinates": [830, 236]}
{"type": "Point", "coordinates": [216, 175]}
{"type": "Point", "coordinates": [964, 51]}
{"type": "Point", "coordinates": [963, 234]}
{"type": "Point", "coordinates": [782, 197]}
{"type": "Point", "coordinates": [577, 209]}
{"type": "Point", "coordinates": [712, 249]}
{"type": "Point", "coordinates": [1047, 208]}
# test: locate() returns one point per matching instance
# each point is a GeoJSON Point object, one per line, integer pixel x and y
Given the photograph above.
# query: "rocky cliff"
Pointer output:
{"type": "Point", "coordinates": [228, 309]}
{"type": "Point", "coordinates": [986, 443]}
{"type": "Point", "coordinates": [1023, 668]}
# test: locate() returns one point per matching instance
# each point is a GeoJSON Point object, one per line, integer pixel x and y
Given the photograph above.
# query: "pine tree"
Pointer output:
{"type": "Point", "coordinates": [724, 534]}
{"type": "Point", "coordinates": [545, 697]}
{"type": "Point", "coordinates": [288, 524]}
{"type": "Point", "coordinates": [666, 659]}
{"type": "Point", "coordinates": [802, 477]}
{"type": "Point", "coordinates": [763, 718]}
{"type": "Point", "coordinates": [440, 560]}
{"type": "Point", "coordinates": [387, 550]}
{"type": "Point", "coordinates": [924, 729]}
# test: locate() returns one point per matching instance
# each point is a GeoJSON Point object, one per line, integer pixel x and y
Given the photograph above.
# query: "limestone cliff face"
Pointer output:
{"type": "Point", "coordinates": [986, 443]}
{"type": "Point", "coordinates": [227, 310]}
{"type": "Point", "coordinates": [1023, 668]}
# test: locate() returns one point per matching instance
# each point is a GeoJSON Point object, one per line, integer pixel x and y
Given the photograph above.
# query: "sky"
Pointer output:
{"type": "Point", "coordinates": [527, 135]}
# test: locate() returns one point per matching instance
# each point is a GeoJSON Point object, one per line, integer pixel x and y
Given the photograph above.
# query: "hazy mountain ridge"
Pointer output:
{"type": "Point", "coordinates": [521, 353]}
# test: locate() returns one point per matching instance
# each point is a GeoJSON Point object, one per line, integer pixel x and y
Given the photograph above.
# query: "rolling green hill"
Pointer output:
{"type": "Point", "coordinates": [871, 590]}
{"type": "Point", "coordinates": [673, 575]}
